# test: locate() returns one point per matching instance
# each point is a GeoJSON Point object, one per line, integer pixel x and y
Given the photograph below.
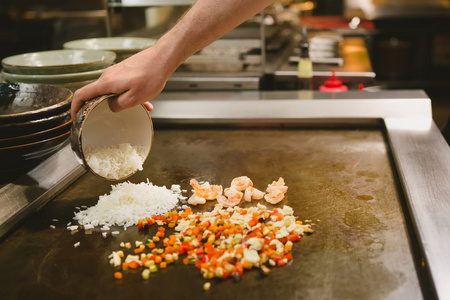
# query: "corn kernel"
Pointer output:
{"type": "Point", "coordinates": [146, 274]}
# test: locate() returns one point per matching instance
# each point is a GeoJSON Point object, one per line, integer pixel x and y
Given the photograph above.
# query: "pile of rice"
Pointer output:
{"type": "Point", "coordinates": [115, 161]}
{"type": "Point", "coordinates": [128, 202]}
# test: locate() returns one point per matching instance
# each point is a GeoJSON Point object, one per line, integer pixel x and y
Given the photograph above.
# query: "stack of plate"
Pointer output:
{"type": "Point", "coordinates": [124, 47]}
{"type": "Point", "coordinates": [71, 69]}
{"type": "Point", "coordinates": [34, 123]}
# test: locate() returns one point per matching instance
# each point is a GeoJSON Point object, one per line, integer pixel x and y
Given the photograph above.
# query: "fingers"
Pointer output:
{"type": "Point", "coordinates": [119, 103]}
{"type": "Point", "coordinates": [148, 106]}
{"type": "Point", "coordinates": [124, 101]}
{"type": "Point", "coordinates": [77, 102]}
{"type": "Point", "coordinates": [127, 100]}
{"type": "Point", "coordinates": [82, 95]}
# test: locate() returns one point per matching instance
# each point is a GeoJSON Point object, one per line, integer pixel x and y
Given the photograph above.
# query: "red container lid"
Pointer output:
{"type": "Point", "coordinates": [333, 85]}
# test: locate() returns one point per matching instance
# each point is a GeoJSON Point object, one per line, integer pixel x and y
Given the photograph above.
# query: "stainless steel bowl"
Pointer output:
{"type": "Point", "coordinates": [96, 125]}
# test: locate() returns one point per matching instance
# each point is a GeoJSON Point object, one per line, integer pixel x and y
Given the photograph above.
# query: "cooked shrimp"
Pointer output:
{"type": "Point", "coordinates": [274, 196]}
{"type": "Point", "coordinates": [252, 193]}
{"type": "Point", "coordinates": [277, 185]}
{"type": "Point", "coordinates": [241, 183]}
{"type": "Point", "coordinates": [227, 202]}
{"type": "Point", "coordinates": [194, 200]}
{"type": "Point", "coordinates": [248, 194]}
{"type": "Point", "coordinates": [232, 197]}
{"type": "Point", "coordinates": [205, 190]}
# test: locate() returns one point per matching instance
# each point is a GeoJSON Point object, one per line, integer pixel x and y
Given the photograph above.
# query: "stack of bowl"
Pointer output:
{"type": "Point", "coordinates": [71, 69]}
{"type": "Point", "coordinates": [124, 47]}
{"type": "Point", "coordinates": [34, 123]}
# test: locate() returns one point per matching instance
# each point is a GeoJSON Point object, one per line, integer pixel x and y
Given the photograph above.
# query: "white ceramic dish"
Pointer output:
{"type": "Point", "coordinates": [58, 61]}
{"type": "Point", "coordinates": [117, 44]}
{"type": "Point", "coordinates": [52, 78]}
{"type": "Point", "coordinates": [96, 125]}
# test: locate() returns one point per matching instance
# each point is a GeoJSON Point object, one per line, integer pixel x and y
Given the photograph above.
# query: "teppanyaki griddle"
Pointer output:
{"type": "Point", "coordinates": [342, 181]}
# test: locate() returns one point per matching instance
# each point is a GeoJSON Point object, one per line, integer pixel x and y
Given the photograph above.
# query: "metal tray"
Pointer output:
{"type": "Point", "coordinates": [355, 167]}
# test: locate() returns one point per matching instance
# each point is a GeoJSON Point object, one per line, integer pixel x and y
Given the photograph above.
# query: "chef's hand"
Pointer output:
{"type": "Point", "coordinates": [137, 80]}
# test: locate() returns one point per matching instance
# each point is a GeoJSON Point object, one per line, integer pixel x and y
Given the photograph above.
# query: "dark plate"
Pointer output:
{"type": "Point", "coordinates": [35, 137]}
{"type": "Point", "coordinates": [18, 160]}
{"type": "Point", "coordinates": [11, 130]}
{"type": "Point", "coordinates": [21, 102]}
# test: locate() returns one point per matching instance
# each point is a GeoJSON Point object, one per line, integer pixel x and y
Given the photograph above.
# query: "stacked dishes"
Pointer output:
{"type": "Point", "coordinates": [71, 69]}
{"type": "Point", "coordinates": [124, 47]}
{"type": "Point", "coordinates": [34, 123]}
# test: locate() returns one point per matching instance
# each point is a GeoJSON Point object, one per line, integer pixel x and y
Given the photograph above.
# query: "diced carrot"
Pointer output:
{"type": "Point", "coordinates": [139, 250]}
{"type": "Point", "coordinates": [289, 257]}
{"type": "Point", "coordinates": [198, 264]}
{"type": "Point", "coordinates": [246, 264]}
{"type": "Point", "coordinates": [133, 264]}
{"type": "Point", "coordinates": [287, 247]}
{"type": "Point", "coordinates": [281, 262]}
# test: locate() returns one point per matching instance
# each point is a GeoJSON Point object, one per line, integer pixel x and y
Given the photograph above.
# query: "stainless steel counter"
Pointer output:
{"type": "Point", "coordinates": [420, 157]}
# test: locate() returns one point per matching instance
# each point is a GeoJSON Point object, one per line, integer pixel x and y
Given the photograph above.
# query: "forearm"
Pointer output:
{"type": "Point", "coordinates": [143, 76]}
{"type": "Point", "coordinates": [205, 22]}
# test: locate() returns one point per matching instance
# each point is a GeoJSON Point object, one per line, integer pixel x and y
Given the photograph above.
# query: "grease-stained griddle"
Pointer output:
{"type": "Point", "coordinates": [341, 181]}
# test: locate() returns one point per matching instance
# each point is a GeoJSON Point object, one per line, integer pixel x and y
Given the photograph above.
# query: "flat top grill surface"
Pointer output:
{"type": "Point", "coordinates": [341, 180]}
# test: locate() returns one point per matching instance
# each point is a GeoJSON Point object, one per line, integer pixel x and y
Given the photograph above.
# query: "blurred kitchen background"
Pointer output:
{"type": "Point", "coordinates": [371, 44]}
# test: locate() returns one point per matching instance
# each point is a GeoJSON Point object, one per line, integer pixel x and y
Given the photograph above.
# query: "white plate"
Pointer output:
{"type": "Point", "coordinates": [119, 45]}
{"type": "Point", "coordinates": [58, 62]}
{"type": "Point", "coordinates": [52, 78]}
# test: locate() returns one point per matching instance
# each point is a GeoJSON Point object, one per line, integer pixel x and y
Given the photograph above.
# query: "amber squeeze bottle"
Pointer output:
{"type": "Point", "coordinates": [305, 69]}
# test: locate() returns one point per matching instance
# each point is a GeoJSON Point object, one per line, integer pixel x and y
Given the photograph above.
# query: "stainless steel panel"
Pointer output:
{"type": "Point", "coordinates": [36, 188]}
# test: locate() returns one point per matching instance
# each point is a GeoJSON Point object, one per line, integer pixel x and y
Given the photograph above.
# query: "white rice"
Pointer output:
{"type": "Point", "coordinates": [115, 161]}
{"type": "Point", "coordinates": [127, 203]}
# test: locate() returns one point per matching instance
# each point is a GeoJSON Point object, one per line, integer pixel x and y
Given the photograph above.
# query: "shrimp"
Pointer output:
{"type": "Point", "coordinates": [274, 196]}
{"type": "Point", "coordinates": [241, 183]}
{"type": "Point", "coordinates": [205, 190]}
{"type": "Point", "coordinates": [277, 185]}
{"type": "Point", "coordinates": [194, 200]}
{"type": "Point", "coordinates": [252, 193]}
{"type": "Point", "coordinates": [232, 197]}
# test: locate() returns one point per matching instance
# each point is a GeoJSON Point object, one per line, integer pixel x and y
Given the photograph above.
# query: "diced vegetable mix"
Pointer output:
{"type": "Point", "coordinates": [222, 243]}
